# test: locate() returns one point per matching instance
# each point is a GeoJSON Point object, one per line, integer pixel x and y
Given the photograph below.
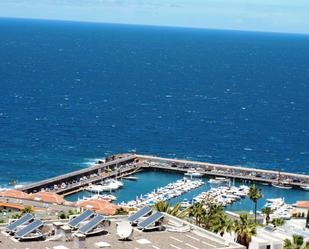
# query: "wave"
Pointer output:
{"type": "Point", "coordinates": [90, 161]}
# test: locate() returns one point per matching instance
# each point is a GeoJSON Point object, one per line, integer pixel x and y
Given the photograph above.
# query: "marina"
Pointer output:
{"type": "Point", "coordinates": [172, 190]}
{"type": "Point", "coordinates": [128, 177]}
{"type": "Point", "coordinates": [151, 180]}
{"type": "Point", "coordinates": [124, 165]}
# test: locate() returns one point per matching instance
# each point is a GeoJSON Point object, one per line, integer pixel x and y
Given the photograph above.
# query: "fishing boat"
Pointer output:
{"type": "Point", "coordinates": [282, 185]}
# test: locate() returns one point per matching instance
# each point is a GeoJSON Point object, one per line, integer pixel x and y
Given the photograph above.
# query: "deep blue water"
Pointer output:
{"type": "Point", "coordinates": [73, 92]}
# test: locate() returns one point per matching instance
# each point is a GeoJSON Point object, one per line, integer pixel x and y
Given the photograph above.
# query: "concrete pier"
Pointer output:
{"type": "Point", "coordinates": [220, 170]}
{"type": "Point", "coordinates": [126, 164]}
{"type": "Point", "coordinates": [83, 177]}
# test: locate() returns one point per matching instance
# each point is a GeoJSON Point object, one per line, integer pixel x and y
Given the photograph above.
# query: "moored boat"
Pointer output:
{"type": "Point", "coordinates": [132, 178]}
{"type": "Point", "coordinates": [219, 180]}
{"type": "Point", "coordinates": [101, 197]}
{"type": "Point", "coordinates": [282, 185]}
{"type": "Point", "coordinates": [306, 187]}
{"type": "Point", "coordinates": [193, 173]}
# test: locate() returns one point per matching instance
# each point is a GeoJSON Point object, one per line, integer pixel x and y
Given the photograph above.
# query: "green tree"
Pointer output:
{"type": "Point", "coordinates": [197, 211]}
{"type": "Point", "coordinates": [121, 211]}
{"type": "Point", "coordinates": [278, 222]}
{"type": "Point", "coordinates": [267, 211]}
{"type": "Point", "coordinates": [297, 242]}
{"type": "Point", "coordinates": [163, 206]}
{"type": "Point", "coordinates": [213, 214]}
{"type": "Point", "coordinates": [244, 229]}
{"type": "Point", "coordinates": [16, 216]}
{"type": "Point", "coordinates": [222, 224]}
{"type": "Point", "coordinates": [27, 210]}
{"type": "Point", "coordinates": [255, 194]}
{"type": "Point", "coordinates": [62, 215]}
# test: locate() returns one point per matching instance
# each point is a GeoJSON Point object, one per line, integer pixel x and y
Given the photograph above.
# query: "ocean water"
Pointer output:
{"type": "Point", "coordinates": [74, 92]}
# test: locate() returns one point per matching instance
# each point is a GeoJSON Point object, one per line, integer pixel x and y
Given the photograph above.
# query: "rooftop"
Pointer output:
{"type": "Point", "coordinates": [302, 204]}
{"type": "Point", "coordinates": [14, 193]}
{"type": "Point", "coordinates": [99, 206]}
{"type": "Point", "coordinates": [196, 238]}
{"type": "Point", "coordinates": [15, 206]}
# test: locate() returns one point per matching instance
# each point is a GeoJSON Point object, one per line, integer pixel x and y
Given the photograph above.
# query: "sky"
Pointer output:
{"type": "Point", "coordinates": [286, 16]}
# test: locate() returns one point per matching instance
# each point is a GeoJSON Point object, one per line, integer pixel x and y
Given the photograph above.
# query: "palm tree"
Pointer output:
{"type": "Point", "coordinates": [267, 211]}
{"type": "Point", "coordinates": [254, 195]}
{"type": "Point", "coordinates": [297, 242]}
{"type": "Point", "coordinates": [222, 224]}
{"type": "Point", "coordinates": [244, 229]}
{"type": "Point", "coordinates": [213, 213]}
{"type": "Point", "coordinates": [163, 206]}
{"type": "Point", "coordinates": [277, 222]}
{"type": "Point", "coordinates": [197, 211]}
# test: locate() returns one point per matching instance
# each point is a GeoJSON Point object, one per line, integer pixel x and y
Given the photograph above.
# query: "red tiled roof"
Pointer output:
{"type": "Point", "coordinates": [302, 204]}
{"type": "Point", "coordinates": [14, 194]}
{"type": "Point", "coordinates": [16, 206]}
{"type": "Point", "coordinates": [100, 206]}
{"type": "Point", "coordinates": [48, 197]}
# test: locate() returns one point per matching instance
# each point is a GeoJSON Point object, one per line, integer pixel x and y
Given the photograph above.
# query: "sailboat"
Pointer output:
{"type": "Point", "coordinates": [281, 184]}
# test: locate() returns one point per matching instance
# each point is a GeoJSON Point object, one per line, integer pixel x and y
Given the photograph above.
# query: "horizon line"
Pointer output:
{"type": "Point", "coordinates": [154, 25]}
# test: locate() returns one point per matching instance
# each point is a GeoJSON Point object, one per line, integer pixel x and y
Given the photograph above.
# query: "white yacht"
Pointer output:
{"type": "Point", "coordinates": [219, 180]}
{"type": "Point", "coordinates": [106, 186]}
{"type": "Point", "coordinates": [306, 187]}
{"type": "Point", "coordinates": [193, 173]}
{"type": "Point", "coordinates": [101, 197]}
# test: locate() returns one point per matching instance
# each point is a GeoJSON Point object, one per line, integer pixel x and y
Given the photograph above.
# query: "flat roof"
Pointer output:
{"type": "Point", "coordinates": [194, 239]}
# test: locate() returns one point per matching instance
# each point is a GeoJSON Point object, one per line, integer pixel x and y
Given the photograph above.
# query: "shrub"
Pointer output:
{"type": "Point", "coordinates": [121, 211]}
{"type": "Point", "coordinates": [16, 216]}
{"type": "Point", "coordinates": [62, 215]}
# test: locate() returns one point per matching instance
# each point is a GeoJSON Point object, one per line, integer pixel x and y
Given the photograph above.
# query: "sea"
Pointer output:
{"type": "Point", "coordinates": [73, 92]}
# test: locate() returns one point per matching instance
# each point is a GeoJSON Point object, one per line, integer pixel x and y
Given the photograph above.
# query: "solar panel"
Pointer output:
{"type": "Point", "coordinates": [28, 229]}
{"type": "Point", "coordinates": [140, 213]}
{"type": "Point", "coordinates": [150, 220]}
{"type": "Point", "coordinates": [91, 224]}
{"type": "Point", "coordinates": [24, 219]}
{"type": "Point", "coordinates": [77, 220]}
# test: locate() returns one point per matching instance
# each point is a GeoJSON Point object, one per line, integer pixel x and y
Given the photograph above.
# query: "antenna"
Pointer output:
{"type": "Point", "coordinates": [124, 230]}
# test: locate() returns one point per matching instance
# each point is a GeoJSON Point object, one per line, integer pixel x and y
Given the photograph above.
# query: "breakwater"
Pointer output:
{"type": "Point", "coordinates": [125, 164]}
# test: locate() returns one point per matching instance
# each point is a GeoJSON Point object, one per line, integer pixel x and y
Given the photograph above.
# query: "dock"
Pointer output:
{"type": "Point", "coordinates": [221, 170]}
{"type": "Point", "coordinates": [81, 178]}
{"type": "Point", "coordinates": [126, 164]}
